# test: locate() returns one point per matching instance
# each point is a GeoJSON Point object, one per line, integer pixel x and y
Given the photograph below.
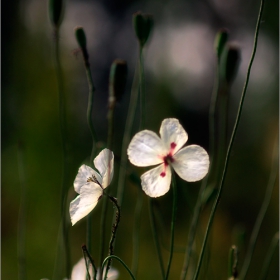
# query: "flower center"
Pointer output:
{"type": "Point", "coordinates": [168, 159]}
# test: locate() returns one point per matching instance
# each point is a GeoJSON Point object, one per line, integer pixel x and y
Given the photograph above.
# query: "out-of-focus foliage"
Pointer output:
{"type": "Point", "coordinates": [180, 70]}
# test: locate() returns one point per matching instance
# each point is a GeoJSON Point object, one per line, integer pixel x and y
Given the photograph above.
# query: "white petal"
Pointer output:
{"type": "Point", "coordinates": [79, 270]}
{"type": "Point", "coordinates": [85, 202]}
{"type": "Point", "coordinates": [145, 149]}
{"type": "Point", "coordinates": [191, 163]}
{"type": "Point", "coordinates": [104, 163]}
{"type": "Point", "coordinates": [171, 131]}
{"type": "Point", "coordinates": [84, 173]}
{"type": "Point", "coordinates": [155, 183]}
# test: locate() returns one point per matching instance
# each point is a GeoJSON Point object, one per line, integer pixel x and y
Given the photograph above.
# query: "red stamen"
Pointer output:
{"type": "Point", "coordinates": [162, 174]}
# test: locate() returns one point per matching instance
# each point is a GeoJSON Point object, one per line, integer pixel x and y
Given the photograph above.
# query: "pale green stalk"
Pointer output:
{"type": "Point", "coordinates": [174, 210]}
{"type": "Point", "coordinates": [257, 226]}
{"type": "Point", "coordinates": [214, 208]}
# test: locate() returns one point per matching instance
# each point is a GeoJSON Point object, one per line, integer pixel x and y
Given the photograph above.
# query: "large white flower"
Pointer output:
{"type": "Point", "coordinates": [191, 163]}
{"type": "Point", "coordinates": [79, 272]}
{"type": "Point", "coordinates": [90, 184]}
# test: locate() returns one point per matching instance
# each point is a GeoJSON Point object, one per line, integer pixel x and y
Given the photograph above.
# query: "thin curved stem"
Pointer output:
{"type": "Point", "coordinates": [121, 261]}
{"type": "Point", "coordinates": [214, 208]}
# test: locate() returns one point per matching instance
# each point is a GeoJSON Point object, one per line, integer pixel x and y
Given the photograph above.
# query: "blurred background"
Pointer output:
{"type": "Point", "coordinates": [180, 67]}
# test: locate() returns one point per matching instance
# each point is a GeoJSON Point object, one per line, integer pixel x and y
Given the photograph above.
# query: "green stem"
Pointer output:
{"type": "Point", "coordinates": [174, 210]}
{"type": "Point", "coordinates": [268, 259]}
{"type": "Point", "coordinates": [121, 261]}
{"type": "Point", "coordinates": [257, 226]}
{"type": "Point", "coordinates": [89, 110]}
{"type": "Point", "coordinates": [126, 137]}
{"type": "Point", "coordinates": [199, 203]}
{"type": "Point", "coordinates": [213, 211]}
{"type": "Point", "coordinates": [92, 131]}
{"type": "Point", "coordinates": [155, 237]}
{"type": "Point", "coordinates": [87, 255]}
{"type": "Point", "coordinates": [142, 89]}
{"type": "Point", "coordinates": [136, 230]}
{"type": "Point", "coordinates": [62, 122]}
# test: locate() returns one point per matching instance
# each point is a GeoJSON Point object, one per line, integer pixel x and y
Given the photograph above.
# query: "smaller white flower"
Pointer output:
{"type": "Point", "coordinates": [79, 272]}
{"type": "Point", "coordinates": [90, 184]}
{"type": "Point", "coordinates": [191, 163]}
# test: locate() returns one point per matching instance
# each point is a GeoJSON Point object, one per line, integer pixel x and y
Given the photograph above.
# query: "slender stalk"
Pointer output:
{"type": "Point", "coordinates": [92, 131]}
{"type": "Point", "coordinates": [136, 231]}
{"type": "Point", "coordinates": [257, 226]}
{"type": "Point", "coordinates": [139, 202]}
{"type": "Point", "coordinates": [110, 117]}
{"type": "Point", "coordinates": [21, 250]}
{"type": "Point", "coordinates": [120, 260]}
{"type": "Point", "coordinates": [62, 122]}
{"type": "Point", "coordinates": [198, 206]}
{"type": "Point", "coordinates": [87, 255]}
{"type": "Point", "coordinates": [268, 259]}
{"type": "Point", "coordinates": [155, 237]}
{"type": "Point", "coordinates": [214, 208]}
{"type": "Point", "coordinates": [126, 137]}
{"type": "Point", "coordinates": [142, 89]}
{"type": "Point", "coordinates": [174, 210]}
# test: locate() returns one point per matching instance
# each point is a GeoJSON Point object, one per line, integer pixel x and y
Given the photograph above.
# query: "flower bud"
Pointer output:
{"type": "Point", "coordinates": [118, 76]}
{"type": "Point", "coordinates": [220, 41]}
{"type": "Point", "coordinates": [56, 8]}
{"type": "Point", "coordinates": [82, 42]}
{"type": "Point", "coordinates": [230, 60]}
{"type": "Point", "coordinates": [80, 36]}
{"type": "Point", "coordinates": [143, 24]}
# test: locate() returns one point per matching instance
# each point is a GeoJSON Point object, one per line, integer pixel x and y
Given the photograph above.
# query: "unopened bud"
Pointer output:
{"type": "Point", "coordinates": [56, 8]}
{"type": "Point", "coordinates": [117, 82]}
{"type": "Point", "coordinates": [230, 60]}
{"type": "Point", "coordinates": [82, 42]}
{"type": "Point", "coordinates": [220, 42]}
{"type": "Point", "coordinates": [80, 36]}
{"type": "Point", "coordinates": [143, 24]}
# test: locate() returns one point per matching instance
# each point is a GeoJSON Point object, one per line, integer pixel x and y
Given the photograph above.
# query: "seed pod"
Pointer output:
{"type": "Point", "coordinates": [143, 24]}
{"type": "Point", "coordinates": [230, 60]}
{"type": "Point", "coordinates": [56, 9]}
{"type": "Point", "coordinates": [118, 76]}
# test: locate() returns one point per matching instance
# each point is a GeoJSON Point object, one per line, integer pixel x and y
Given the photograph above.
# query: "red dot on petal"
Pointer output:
{"type": "Point", "coordinates": [162, 174]}
{"type": "Point", "coordinates": [173, 145]}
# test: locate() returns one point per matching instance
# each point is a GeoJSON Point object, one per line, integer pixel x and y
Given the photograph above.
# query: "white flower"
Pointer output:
{"type": "Point", "coordinates": [191, 163]}
{"type": "Point", "coordinates": [79, 272]}
{"type": "Point", "coordinates": [90, 184]}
